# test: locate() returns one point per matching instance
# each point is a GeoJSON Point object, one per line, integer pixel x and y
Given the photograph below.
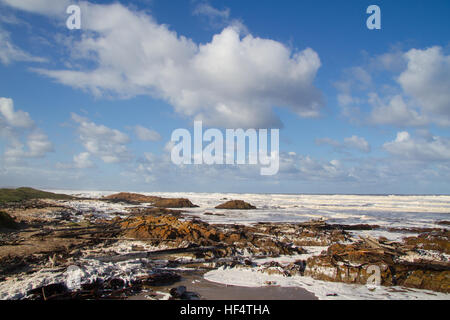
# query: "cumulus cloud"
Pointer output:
{"type": "Point", "coordinates": [395, 112]}
{"type": "Point", "coordinates": [153, 167]}
{"type": "Point", "coordinates": [101, 141]}
{"type": "Point", "coordinates": [354, 78]}
{"type": "Point", "coordinates": [38, 144]}
{"type": "Point", "coordinates": [24, 139]}
{"type": "Point", "coordinates": [294, 166]}
{"type": "Point", "coordinates": [427, 80]}
{"type": "Point", "coordinates": [353, 142]}
{"type": "Point", "coordinates": [418, 96]}
{"type": "Point", "coordinates": [432, 148]}
{"type": "Point", "coordinates": [357, 143]}
{"type": "Point", "coordinates": [82, 160]}
{"type": "Point", "coordinates": [231, 81]}
{"type": "Point", "coordinates": [145, 134]}
{"type": "Point", "coordinates": [12, 118]}
{"type": "Point", "coordinates": [393, 61]}
{"type": "Point", "coordinates": [10, 53]}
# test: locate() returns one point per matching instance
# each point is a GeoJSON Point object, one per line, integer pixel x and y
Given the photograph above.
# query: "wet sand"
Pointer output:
{"type": "Point", "coordinates": [214, 291]}
{"type": "Point", "coordinates": [208, 290]}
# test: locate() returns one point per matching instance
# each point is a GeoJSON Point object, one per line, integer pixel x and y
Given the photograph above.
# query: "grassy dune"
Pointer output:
{"type": "Point", "coordinates": [20, 194]}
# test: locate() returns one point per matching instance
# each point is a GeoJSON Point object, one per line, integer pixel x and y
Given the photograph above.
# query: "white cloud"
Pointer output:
{"type": "Point", "coordinates": [101, 141]}
{"type": "Point", "coordinates": [422, 149]}
{"type": "Point", "coordinates": [361, 76]}
{"type": "Point", "coordinates": [80, 161]}
{"type": "Point", "coordinates": [218, 18]}
{"type": "Point", "coordinates": [12, 118]}
{"type": "Point", "coordinates": [38, 144]}
{"type": "Point", "coordinates": [206, 9]}
{"type": "Point", "coordinates": [8, 18]}
{"type": "Point", "coordinates": [232, 81]}
{"type": "Point", "coordinates": [24, 139]}
{"type": "Point", "coordinates": [10, 53]}
{"type": "Point", "coordinates": [395, 112]}
{"type": "Point", "coordinates": [353, 142]}
{"type": "Point", "coordinates": [393, 61]}
{"type": "Point", "coordinates": [345, 100]}
{"type": "Point", "coordinates": [160, 169]}
{"type": "Point", "coordinates": [355, 78]}
{"type": "Point", "coordinates": [357, 143]}
{"type": "Point", "coordinates": [328, 141]}
{"type": "Point", "coordinates": [83, 160]}
{"type": "Point", "coordinates": [145, 134]}
{"type": "Point", "coordinates": [306, 168]}
{"type": "Point", "coordinates": [427, 80]}
{"type": "Point", "coordinates": [419, 96]}
{"type": "Point", "coordinates": [46, 7]}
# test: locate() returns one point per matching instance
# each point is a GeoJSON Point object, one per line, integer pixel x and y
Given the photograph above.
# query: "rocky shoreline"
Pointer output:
{"type": "Point", "coordinates": [157, 240]}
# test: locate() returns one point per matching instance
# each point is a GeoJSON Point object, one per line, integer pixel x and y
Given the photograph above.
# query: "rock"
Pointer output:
{"type": "Point", "coordinates": [435, 281]}
{"type": "Point", "coordinates": [172, 229]}
{"type": "Point", "coordinates": [248, 262]}
{"type": "Point", "coordinates": [155, 201]}
{"type": "Point", "coordinates": [112, 288]}
{"type": "Point", "coordinates": [178, 291]}
{"type": "Point", "coordinates": [174, 203]}
{"type": "Point", "coordinates": [156, 212]}
{"type": "Point", "coordinates": [319, 237]}
{"type": "Point", "coordinates": [177, 233]}
{"type": "Point", "coordinates": [349, 264]}
{"type": "Point", "coordinates": [158, 279]}
{"type": "Point", "coordinates": [325, 268]}
{"type": "Point", "coordinates": [49, 290]}
{"type": "Point", "coordinates": [182, 294]}
{"type": "Point", "coordinates": [236, 204]}
{"type": "Point", "coordinates": [234, 237]}
{"type": "Point", "coordinates": [275, 268]}
{"type": "Point", "coordinates": [436, 240]}
{"type": "Point", "coordinates": [131, 197]}
{"type": "Point", "coordinates": [413, 230]}
{"type": "Point", "coordinates": [6, 221]}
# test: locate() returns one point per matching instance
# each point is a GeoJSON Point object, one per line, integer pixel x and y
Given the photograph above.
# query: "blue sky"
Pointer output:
{"type": "Point", "coordinates": [360, 111]}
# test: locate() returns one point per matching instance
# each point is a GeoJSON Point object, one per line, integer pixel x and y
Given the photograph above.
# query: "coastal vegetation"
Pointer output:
{"type": "Point", "coordinates": [21, 194]}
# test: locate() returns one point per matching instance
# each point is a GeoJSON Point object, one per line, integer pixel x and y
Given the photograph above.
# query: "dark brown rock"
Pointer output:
{"type": "Point", "coordinates": [157, 212]}
{"type": "Point", "coordinates": [174, 203]}
{"type": "Point", "coordinates": [155, 201]}
{"type": "Point", "coordinates": [349, 264]}
{"type": "Point", "coordinates": [236, 204]}
{"type": "Point", "coordinates": [6, 221]}
{"type": "Point", "coordinates": [132, 197]}
{"type": "Point", "coordinates": [436, 240]}
{"type": "Point", "coordinates": [170, 228]}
